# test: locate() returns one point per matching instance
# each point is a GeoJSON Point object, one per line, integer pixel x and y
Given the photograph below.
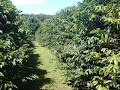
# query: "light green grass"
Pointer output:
{"type": "Point", "coordinates": [50, 63]}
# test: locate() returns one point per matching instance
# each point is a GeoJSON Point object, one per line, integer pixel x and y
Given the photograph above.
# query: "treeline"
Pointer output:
{"type": "Point", "coordinates": [86, 38]}
{"type": "Point", "coordinates": [31, 23]}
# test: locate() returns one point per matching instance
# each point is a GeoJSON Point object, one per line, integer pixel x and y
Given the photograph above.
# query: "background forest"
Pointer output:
{"type": "Point", "coordinates": [85, 38]}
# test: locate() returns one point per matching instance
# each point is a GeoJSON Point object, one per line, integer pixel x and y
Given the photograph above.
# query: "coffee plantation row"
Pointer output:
{"type": "Point", "coordinates": [86, 38]}
{"type": "Point", "coordinates": [15, 49]}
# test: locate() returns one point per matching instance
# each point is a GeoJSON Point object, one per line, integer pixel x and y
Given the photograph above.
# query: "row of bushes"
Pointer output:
{"type": "Point", "coordinates": [15, 49]}
{"type": "Point", "coordinates": [86, 38]}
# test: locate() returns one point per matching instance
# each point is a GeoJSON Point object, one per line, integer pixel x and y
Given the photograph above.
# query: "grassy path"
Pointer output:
{"type": "Point", "coordinates": [49, 63]}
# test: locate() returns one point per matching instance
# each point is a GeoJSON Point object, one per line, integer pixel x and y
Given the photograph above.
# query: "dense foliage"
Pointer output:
{"type": "Point", "coordinates": [15, 49]}
{"type": "Point", "coordinates": [32, 23]}
{"type": "Point", "coordinates": [87, 39]}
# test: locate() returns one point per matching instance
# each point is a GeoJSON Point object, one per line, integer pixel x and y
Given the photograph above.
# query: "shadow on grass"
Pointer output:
{"type": "Point", "coordinates": [37, 76]}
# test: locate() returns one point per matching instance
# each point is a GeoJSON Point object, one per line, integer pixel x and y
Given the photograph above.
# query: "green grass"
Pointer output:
{"type": "Point", "coordinates": [49, 63]}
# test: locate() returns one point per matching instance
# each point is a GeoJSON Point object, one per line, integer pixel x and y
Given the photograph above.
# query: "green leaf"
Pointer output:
{"type": "Point", "coordinates": [1, 74]}
{"type": "Point", "coordinates": [102, 88]}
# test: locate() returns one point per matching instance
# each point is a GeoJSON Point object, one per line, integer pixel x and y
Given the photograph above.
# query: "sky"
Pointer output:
{"type": "Point", "coordinates": [50, 7]}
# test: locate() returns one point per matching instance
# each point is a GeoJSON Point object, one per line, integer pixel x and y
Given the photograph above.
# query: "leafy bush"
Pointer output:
{"type": "Point", "coordinates": [15, 48]}
{"type": "Point", "coordinates": [86, 38]}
